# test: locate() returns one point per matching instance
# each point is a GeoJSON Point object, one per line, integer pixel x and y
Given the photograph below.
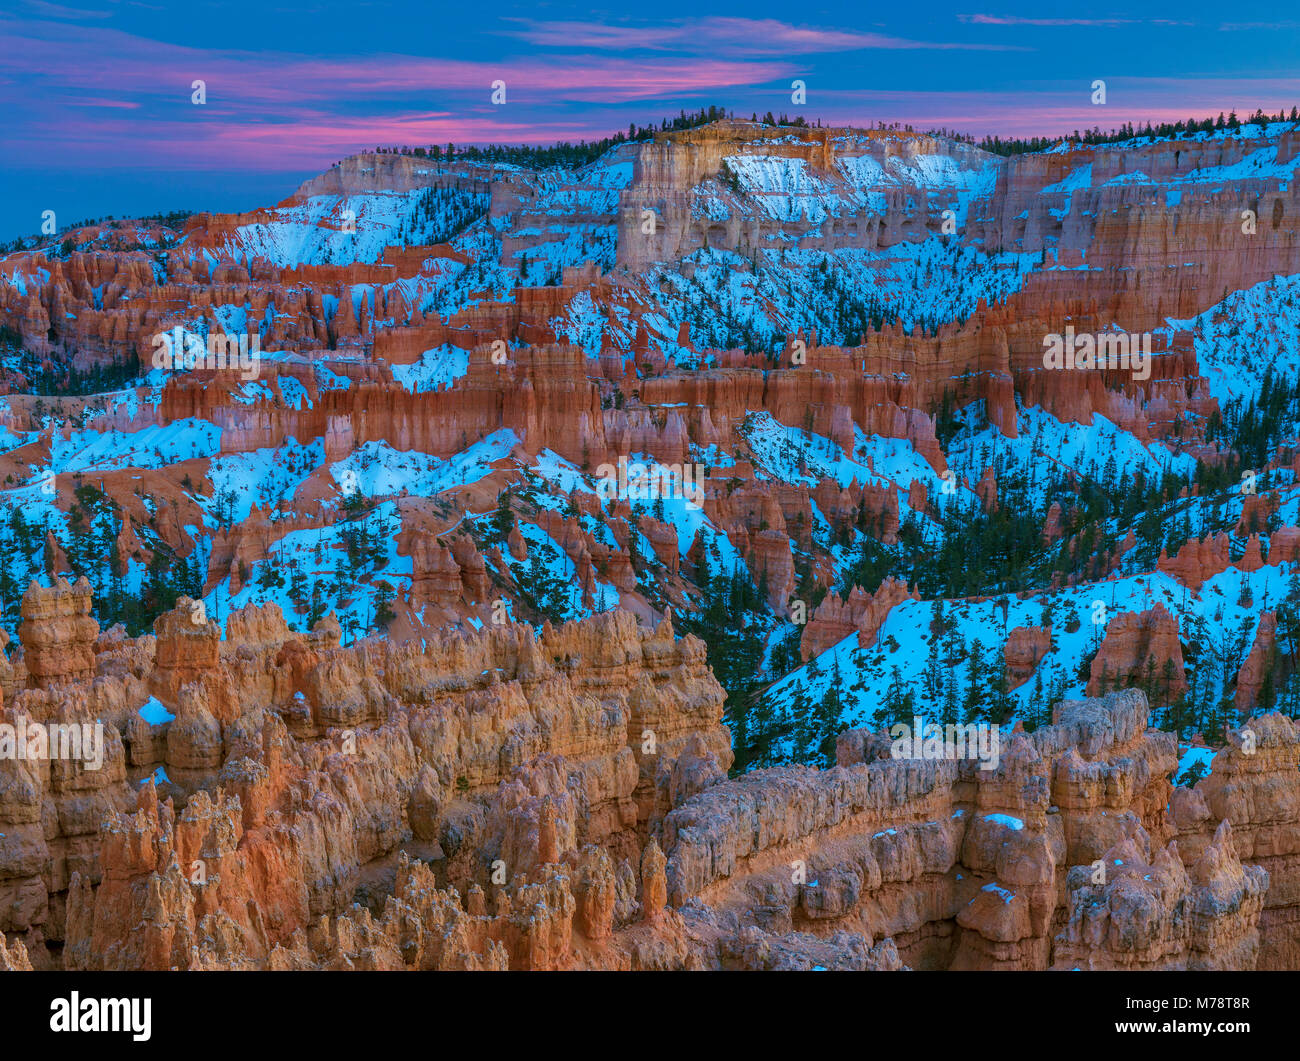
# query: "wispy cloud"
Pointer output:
{"type": "Point", "coordinates": [1255, 27]}
{"type": "Point", "coordinates": [49, 10]}
{"type": "Point", "coordinates": [162, 70]}
{"type": "Point", "coordinates": [305, 142]}
{"type": "Point", "coordinates": [732, 37]}
{"type": "Point", "coordinates": [1017, 20]}
{"type": "Point", "coordinates": [112, 104]}
{"type": "Point", "coordinates": [271, 109]}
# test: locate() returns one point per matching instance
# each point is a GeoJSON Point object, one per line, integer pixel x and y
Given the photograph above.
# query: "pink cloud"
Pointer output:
{"type": "Point", "coordinates": [160, 69]}
{"type": "Point", "coordinates": [49, 10]}
{"type": "Point", "coordinates": [1016, 20]}
{"type": "Point", "coordinates": [722, 36]}
{"type": "Point", "coordinates": [276, 111]}
{"type": "Point", "coordinates": [268, 110]}
{"type": "Point", "coordinates": [116, 104]}
{"type": "Point", "coordinates": [309, 141]}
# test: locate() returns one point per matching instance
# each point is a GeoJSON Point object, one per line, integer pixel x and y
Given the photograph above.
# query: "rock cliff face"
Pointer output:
{"type": "Point", "coordinates": [58, 634]}
{"type": "Point", "coordinates": [1140, 647]}
{"type": "Point", "coordinates": [1253, 790]}
{"type": "Point", "coordinates": [503, 800]}
{"type": "Point", "coordinates": [964, 868]}
{"type": "Point", "coordinates": [293, 771]}
{"type": "Point", "coordinates": [1153, 912]}
{"type": "Point", "coordinates": [674, 174]}
{"type": "Point", "coordinates": [1025, 647]}
{"type": "Point", "coordinates": [1254, 673]}
{"type": "Point", "coordinates": [861, 612]}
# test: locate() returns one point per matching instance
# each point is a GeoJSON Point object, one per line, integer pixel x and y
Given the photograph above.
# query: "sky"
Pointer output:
{"type": "Point", "coordinates": [97, 111]}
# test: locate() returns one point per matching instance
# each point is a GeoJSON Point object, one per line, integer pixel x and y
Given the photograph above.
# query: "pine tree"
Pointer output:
{"type": "Point", "coordinates": [972, 708]}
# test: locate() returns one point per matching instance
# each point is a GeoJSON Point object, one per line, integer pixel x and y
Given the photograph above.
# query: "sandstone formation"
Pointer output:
{"type": "Point", "coordinates": [502, 800]}
{"type": "Point", "coordinates": [58, 633]}
{"type": "Point", "coordinates": [861, 612]}
{"type": "Point", "coordinates": [1025, 646]}
{"type": "Point", "coordinates": [1140, 647]}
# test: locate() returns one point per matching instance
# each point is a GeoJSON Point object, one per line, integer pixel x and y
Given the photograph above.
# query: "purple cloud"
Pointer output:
{"type": "Point", "coordinates": [735, 37]}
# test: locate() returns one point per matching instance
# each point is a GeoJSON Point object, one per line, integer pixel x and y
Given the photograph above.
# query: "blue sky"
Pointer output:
{"type": "Point", "coordinates": [98, 118]}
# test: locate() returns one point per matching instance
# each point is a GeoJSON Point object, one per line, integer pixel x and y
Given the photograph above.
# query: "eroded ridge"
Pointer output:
{"type": "Point", "coordinates": [501, 799]}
